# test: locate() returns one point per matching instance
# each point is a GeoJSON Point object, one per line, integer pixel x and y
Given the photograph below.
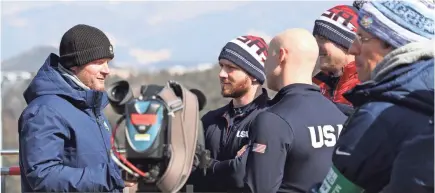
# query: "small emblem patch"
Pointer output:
{"type": "Point", "coordinates": [111, 49]}
{"type": "Point", "coordinates": [106, 126]}
{"type": "Point", "coordinates": [259, 148]}
{"type": "Point", "coordinates": [366, 21]}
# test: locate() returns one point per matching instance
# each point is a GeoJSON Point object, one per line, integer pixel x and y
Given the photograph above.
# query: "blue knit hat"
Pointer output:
{"type": "Point", "coordinates": [249, 53]}
{"type": "Point", "coordinates": [398, 22]}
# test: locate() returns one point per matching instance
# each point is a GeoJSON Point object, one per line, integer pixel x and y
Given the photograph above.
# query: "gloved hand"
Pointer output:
{"type": "Point", "coordinates": [315, 188]}
{"type": "Point", "coordinates": [201, 159]}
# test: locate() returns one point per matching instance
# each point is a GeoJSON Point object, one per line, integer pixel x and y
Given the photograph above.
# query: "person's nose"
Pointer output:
{"type": "Point", "coordinates": [105, 70]}
{"type": "Point", "coordinates": [321, 49]}
{"type": "Point", "coordinates": [355, 48]}
{"type": "Point", "coordinates": [223, 73]}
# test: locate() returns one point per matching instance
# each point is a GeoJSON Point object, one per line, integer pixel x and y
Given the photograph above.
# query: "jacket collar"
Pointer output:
{"type": "Point", "coordinates": [349, 73]}
{"type": "Point", "coordinates": [397, 77]}
{"type": "Point", "coordinates": [259, 102]}
{"type": "Point", "coordinates": [403, 56]}
{"type": "Point", "coordinates": [296, 88]}
{"type": "Point", "coordinates": [50, 81]}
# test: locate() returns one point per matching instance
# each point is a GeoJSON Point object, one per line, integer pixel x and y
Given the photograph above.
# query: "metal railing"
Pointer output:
{"type": "Point", "coordinates": [9, 152]}
{"type": "Point", "coordinates": [15, 152]}
{"type": "Point", "coordinates": [8, 171]}
{"type": "Point", "coordinates": [15, 170]}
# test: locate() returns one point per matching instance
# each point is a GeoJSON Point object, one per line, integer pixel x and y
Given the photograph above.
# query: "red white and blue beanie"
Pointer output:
{"type": "Point", "coordinates": [398, 22]}
{"type": "Point", "coordinates": [338, 24]}
{"type": "Point", "coordinates": [249, 53]}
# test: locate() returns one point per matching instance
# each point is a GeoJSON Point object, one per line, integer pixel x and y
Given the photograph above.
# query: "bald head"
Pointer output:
{"type": "Point", "coordinates": [301, 47]}
{"type": "Point", "coordinates": [294, 52]}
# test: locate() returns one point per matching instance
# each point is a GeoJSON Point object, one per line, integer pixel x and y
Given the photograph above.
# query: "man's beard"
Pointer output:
{"type": "Point", "coordinates": [235, 90]}
{"type": "Point", "coordinates": [331, 65]}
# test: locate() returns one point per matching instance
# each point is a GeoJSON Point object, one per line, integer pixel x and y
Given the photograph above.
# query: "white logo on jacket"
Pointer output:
{"type": "Point", "coordinates": [106, 126]}
{"type": "Point", "coordinates": [242, 134]}
{"type": "Point", "coordinates": [326, 135]}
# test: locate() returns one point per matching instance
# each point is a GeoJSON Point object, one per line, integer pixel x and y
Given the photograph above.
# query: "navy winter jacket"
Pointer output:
{"type": "Point", "coordinates": [64, 138]}
{"type": "Point", "coordinates": [387, 144]}
{"type": "Point", "coordinates": [292, 141]}
{"type": "Point", "coordinates": [226, 132]}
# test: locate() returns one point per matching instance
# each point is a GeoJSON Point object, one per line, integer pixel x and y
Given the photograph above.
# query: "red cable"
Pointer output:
{"type": "Point", "coordinates": [122, 158]}
{"type": "Point", "coordinates": [14, 170]}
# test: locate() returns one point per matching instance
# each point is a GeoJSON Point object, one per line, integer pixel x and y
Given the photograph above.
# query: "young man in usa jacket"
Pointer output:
{"type": "Point", "coordinates": [226, 128]}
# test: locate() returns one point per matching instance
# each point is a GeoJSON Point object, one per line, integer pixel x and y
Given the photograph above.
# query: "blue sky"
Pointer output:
{"type": "Point", "coordinates": [149, 32]}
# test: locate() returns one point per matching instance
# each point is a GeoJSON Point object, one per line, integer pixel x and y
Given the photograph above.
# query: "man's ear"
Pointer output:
{"type": "Point", "coordinates": [74, 69]}
{"type": "Point", "coordinates": [386, 48]}
{"type": "Point", "coordinates": [253, 80]}
{"type": "Point", "coordinates": [282, 55]}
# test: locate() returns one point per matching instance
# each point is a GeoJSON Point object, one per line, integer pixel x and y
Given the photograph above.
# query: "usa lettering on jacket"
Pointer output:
{"type": "Point", "coordinates": [326, 135]}
{"type": "Point", "coordinates": [242, 134]}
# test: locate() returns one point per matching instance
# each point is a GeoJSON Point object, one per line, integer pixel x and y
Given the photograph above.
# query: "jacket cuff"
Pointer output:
{"type": "Point", "coordinates": [220, 166]}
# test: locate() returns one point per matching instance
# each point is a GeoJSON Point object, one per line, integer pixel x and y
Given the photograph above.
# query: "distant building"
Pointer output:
{"type": "Point", "coordinates": [14, 76]}
{"type": "Point", "coordinates": [122, 73]}
{"type": "Point", "coordinates": [180, 70]}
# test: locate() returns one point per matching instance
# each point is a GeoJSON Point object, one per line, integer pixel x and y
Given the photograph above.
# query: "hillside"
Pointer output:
{"type": "Point", "coordinates": [32, 59]}
{"type": "Point", "coordinates": [29, 61]}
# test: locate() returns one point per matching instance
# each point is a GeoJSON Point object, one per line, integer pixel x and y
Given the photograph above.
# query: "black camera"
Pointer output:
{"type": "Point", "coordinates": [163, 136]}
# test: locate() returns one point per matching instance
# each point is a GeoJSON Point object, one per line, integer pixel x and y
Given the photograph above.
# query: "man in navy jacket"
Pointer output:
{"type": "Point", "coordinates": [292, 140]}
{"type": "Point", "coordinates": [387, 144]}
{"type": "Point", "coordinates": [64, 137]}
{"type": "Point", "coordinates": [226, 129]}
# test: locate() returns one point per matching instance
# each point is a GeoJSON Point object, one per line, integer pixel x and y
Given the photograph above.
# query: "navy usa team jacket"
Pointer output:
{"type": "Point", "coordinates": [292, 141]}
{"type": "Point", "coordinates": [226, 132]}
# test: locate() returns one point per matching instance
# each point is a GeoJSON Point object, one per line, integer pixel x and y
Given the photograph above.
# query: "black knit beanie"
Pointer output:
{"type": "Point", "coordinates": [83, 44]}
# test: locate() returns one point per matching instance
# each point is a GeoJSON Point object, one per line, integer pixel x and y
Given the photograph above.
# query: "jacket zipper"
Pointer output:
{"type": "Point", "coordinates": [229, 131]}
{"type": "Point", "coordinates": [334, 90]}
{"type": "Point", "coordinates": [101, 132]}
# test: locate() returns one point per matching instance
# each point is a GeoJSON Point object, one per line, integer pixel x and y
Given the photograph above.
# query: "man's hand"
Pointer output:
{"type": "Point", "coordinates": [129, 183]}
{"type": "Point", "coordinates": [241, 151]}
{"type": "Point", "coordinates": [129, 180]}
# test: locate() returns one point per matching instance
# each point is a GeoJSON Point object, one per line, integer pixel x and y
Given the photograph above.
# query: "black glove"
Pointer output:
{"type": "Point", "coordinates": [314, 188]}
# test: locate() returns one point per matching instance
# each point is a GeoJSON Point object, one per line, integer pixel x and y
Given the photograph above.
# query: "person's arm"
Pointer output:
{"type": "Point", "coordinates": [344, 108]}
{"type": "Point", "coordinates": [130, 180]}
{"type": "Point", "coordinates": [232, 168]}
{"type": "Point", "coordinates": [414, 166]}
{"type": "Point", "coordinates": [231, 165]}
{"type": "Point", "coordinates": [42, 138]}
{"type": "Point", "coordinates": [267, 153]}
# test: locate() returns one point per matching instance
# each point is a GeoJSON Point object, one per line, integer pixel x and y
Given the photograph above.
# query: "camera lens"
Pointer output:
{"type": "Point", "coordinates": [118, 93]}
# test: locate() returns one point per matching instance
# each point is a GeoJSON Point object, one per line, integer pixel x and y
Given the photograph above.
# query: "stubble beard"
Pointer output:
{"type": "Point", "coordinates": [236, 90]}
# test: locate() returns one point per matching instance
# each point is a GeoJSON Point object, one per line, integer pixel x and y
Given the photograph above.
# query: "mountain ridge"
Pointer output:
{"type": "Point", "coordinates": [32, 59]}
